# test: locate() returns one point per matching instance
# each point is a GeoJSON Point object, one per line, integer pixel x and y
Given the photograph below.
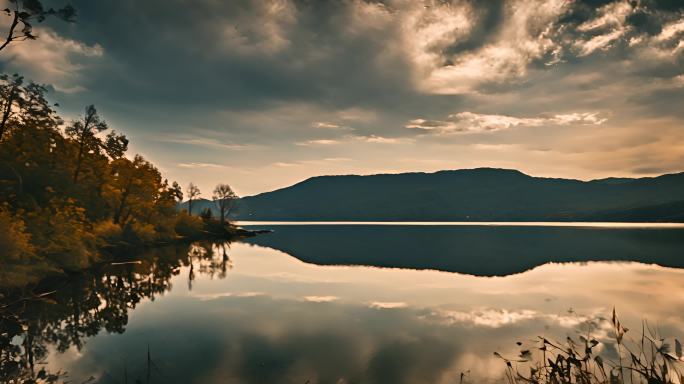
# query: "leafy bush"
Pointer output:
{"type": "Point", "coordinates": [189, 226]}
{"type": "Point", "coordinates": [61, 232]}
{"type": "Point", "coordinates": [107, 233]}
{"type": "Point", "coordinates": [139, 233]}
{"type": "Point", "coordinates": [15, 243]}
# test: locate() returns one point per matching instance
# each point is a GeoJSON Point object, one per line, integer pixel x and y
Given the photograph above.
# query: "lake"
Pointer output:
{"type": "Point", "coordinates": [343, 303]}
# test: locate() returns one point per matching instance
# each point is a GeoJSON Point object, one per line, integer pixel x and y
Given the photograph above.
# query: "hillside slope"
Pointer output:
{"type": "Point", "coordinates": [482, 194]}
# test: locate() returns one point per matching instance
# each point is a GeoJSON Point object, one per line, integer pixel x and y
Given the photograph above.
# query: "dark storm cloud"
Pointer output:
{"type": "Point", "coordinates": [254, 54]}
{"type": "Point", "coordinates": [235, 54]}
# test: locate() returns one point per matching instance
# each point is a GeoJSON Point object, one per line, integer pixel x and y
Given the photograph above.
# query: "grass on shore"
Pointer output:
{"type": "Point", "coordinates": [616, 359]}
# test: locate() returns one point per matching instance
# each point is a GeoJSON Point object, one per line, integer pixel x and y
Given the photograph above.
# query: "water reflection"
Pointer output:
{"type": "Point", "coordinates": [474, 250]}
{"type": "Point", "coordinates": [69, 311]}
{"type": "Point", "coordinates": [216, 313]}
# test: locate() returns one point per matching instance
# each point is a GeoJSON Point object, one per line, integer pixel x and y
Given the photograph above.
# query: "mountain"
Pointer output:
{"type": "Point", "coordinates": [482, 194]}
{"type": "Point", "coordinates": [199, 205]}
{"type": "Point", "coordinates": [475, 250]}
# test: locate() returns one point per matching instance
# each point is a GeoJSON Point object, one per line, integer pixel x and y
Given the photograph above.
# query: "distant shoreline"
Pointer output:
{"type": "Point", "coordinates": [580, 224]}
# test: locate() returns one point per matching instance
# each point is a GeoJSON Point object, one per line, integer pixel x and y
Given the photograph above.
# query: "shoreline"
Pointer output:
{"type": "Point", "coordinates": [35, 275]}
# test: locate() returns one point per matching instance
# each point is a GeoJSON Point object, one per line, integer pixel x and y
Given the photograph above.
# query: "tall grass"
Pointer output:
{"type": "Point", "coordinates": [615, 359]}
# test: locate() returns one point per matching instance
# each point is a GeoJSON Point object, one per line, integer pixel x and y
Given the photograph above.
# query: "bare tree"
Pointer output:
{"type": "Point", "coordinates": [224, 198]}
{"type": "Point", "coordinates": [26, 12]}
{"type": "Point", "coordinates": [193, 192]}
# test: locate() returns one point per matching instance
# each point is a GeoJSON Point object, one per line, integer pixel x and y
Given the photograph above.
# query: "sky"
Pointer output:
{"type": "Point", "coordinates": [261, 94]}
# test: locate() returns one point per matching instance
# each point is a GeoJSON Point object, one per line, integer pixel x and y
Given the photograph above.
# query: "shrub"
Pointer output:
{"type": "Point", "coordinates": [62, 234]}
{"type": "Point", "coordinates": [165, 227]}
{"type": "Point", "coordinates": [140, 233]}
{"type": "Point", "coordinates": [15, 243]}
{"type": "Point", "coordinates": [592, 360]}
{"type": "Point", "coordinates": [107, 233]}
{"type": "Point", "coordinates": [188, 226]}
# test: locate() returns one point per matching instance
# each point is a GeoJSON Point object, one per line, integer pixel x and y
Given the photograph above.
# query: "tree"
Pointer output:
{"type": "Point", "coordinates": [193, 192]}
{"type": "Point", "coordinates": [85, 131]}
{"type": "Point", "coordinates": [206, 215]}
{"type": "Point", "coordinates": [11, 92]}
{"type": "Point", "coordinates": [175, 191]}
{"type": "Point", "coordinates": [224, 198]}
{"type": "Point", "coordinates": [135, 188]}
{"type": "Point", "coordinates": [25, 12]}
{"type": "Point", "coordinates": [24, 104]}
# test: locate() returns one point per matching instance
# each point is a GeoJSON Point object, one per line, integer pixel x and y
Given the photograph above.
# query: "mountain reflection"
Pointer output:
{"type": "Point", "coordinates": [473, 250]}
{"type": "Point", "coordinates": [271, 318]}
{"type": "Point", "coordinates": [90, 302]}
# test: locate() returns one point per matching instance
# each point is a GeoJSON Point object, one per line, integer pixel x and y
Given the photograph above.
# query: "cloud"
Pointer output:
{"type": "Point", "coordinates": [319, 142]}
{"type": "Point", "coordinates": [321, 299]}
{"type": "Point", "coordinates": [324, 125]}
{"type": "Point", "coordinates": [610, 23]}
{"type": "Point", "coordinates": [372, 139]}
{"type": "Point", "coordinates": [199, 165]}
{"type": "Point", "coordinates": [524, 35]}
{"type": "Point", "coordinates": [497, 318]}
{"type": "Point", "coordinates": [264, 30]}
{"type": "Point", "coordinates": [203, 142]}
{"type": "Point", "coordinates": [474, 122]}
{"type": "Point", "coordinates": [285, 164]}
{"type": "Point", "coordinates": [387, 305]}
{"type": "Point", "coordinates": [375, 139]}
{"type": "Point", "coordinates": [51, 59]}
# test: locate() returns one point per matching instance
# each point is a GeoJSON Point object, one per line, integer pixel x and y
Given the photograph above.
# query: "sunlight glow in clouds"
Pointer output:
{"type": "Point", "coordinates": [473, 122]}
{"type": "Point", "coordinates": [52, 59]}
{"type": "Point", "coordinates": [523, 37]}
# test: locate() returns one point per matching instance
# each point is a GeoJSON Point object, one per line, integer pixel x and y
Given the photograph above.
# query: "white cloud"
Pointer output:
{"type": "Point", "coordinates": [380, 139]}
{"type": "Point", "coordinates": [611, 25]}
{"type": "Point", "coordinates": [51, 59]}
{"type": "Point", "coordinates": [612, 15]}
{"type": "Point", "coordinates": [372, 139]}
{"type": "Point", "coordinates": [199, 165]}
{"type": "Point", "coordinates": [497, 318]}
{"type": "Point", "coordinates": [475, 122]}
{"type": "Point", "coordinates": [285, 164]}
{"type": "Point", "coordinates": [320, 299]}
{"type": "Point", "coordinates": [600, 42]}
{"type": "Point", "coordinates": [203, 142]}
{"type": "Point", "coordinates": [671, 30]}
{"type": "Point", "coordinates": [526, 35]}
{"type": "Point", "coordinates": [325, 125]}
{"type": "Point", "coordinates": [387, 305]}
{"type": "Point", "coordinates": [319, 142]}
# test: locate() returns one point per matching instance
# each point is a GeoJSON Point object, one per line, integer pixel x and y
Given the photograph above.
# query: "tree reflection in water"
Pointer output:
{"type": "Point", "coordinates": [82, 305]}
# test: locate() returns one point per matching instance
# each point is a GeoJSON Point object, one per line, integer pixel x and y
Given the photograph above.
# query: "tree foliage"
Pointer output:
{"type": "Point", "coordinates": [224, 197]}
{"type": "Point", "coordinates": [25, 13]}
{"type": "Point", "coordinates": [68, 191]}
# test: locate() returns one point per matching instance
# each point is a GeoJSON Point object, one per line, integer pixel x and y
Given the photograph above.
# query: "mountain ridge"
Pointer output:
{"type": "Point", "coordinates": [478, 194]}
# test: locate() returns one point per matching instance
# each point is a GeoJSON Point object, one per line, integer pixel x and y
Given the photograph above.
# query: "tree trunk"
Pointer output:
{"type": "Point", "coordinates": [122, 205]}
{"type": "Point", "coordinates": [86, 126]}
{"type": "Point", "coordinates": [79, 159]}
{"type": "Point", "coordinates": [7, 111]}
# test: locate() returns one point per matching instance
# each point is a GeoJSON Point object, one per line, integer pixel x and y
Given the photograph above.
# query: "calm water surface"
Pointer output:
{"type": "Point", "coordinates": [352, 303]}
